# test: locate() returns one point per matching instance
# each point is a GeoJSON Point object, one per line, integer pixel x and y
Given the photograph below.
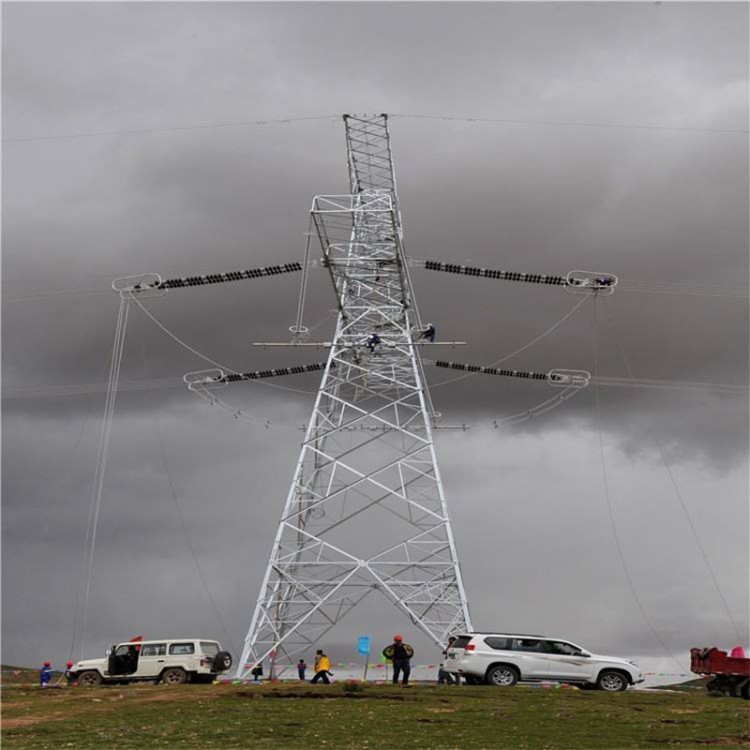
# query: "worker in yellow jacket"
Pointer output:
{"type": "Point", "coordinates": [322, 668]}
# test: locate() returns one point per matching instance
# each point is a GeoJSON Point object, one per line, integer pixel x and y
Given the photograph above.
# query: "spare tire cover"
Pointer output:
{"type": "Point", "coordinates": [222, 661]}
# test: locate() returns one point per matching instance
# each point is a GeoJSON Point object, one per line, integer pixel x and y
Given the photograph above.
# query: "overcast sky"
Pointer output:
{"type": "Point", "coordinates": [650, 182]}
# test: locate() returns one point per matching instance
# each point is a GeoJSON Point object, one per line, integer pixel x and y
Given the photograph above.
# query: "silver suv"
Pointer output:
{"type": "Point", "coordinates": [506, 658]}
{"type": "Point", "coordinates": [172, 661]}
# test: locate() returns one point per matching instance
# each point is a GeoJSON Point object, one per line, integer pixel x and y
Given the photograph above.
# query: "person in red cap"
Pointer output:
{"type": "Point", "coordinates": [399, 653]}
{"type": "Point", "coordinates": [69, 678]}
{"type": "Point", "coordinates": [45, 674]}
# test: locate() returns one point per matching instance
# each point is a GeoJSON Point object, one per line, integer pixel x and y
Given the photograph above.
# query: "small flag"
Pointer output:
{"type": "Point", "coordinates": [363, 645]}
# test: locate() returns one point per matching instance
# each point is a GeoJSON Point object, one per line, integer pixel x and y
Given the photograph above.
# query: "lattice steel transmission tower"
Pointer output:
{"type": "Point", "coordinates": [366, 511]}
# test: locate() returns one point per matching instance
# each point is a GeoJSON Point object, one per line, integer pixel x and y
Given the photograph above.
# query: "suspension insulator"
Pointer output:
{"type": "Point", "coordinates": [219, 379]}
{"type": "Point", "coordinates": [491, 273]}
{"type": "Point", "coordinates": [492, 370]}
{"type": "Point", "coordinates": [152, 285]}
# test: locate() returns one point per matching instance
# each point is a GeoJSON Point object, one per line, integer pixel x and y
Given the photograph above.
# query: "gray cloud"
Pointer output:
{"type": "Point", "coordinates": [645, 204]}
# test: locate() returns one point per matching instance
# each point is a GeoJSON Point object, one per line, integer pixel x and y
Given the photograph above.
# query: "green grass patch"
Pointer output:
{"type": "Point", "coordinates": [304, 716]}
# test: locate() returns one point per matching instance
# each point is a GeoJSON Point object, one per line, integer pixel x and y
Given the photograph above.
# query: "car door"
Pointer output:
{"type": "Point", "coordinates": [123, 660]}
{"type": "Point", "coordinates": [568, 662]}
{"type": "Point", "coordinates": [152, 660]}
{"type": "Point", "coordinates": [529, 657]}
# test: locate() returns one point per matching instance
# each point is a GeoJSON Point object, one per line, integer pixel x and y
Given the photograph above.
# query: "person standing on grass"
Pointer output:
{"type": "Point", "coordinates": [322, 667]}
{"type": "Point", "coordinates": [68, 674]}
{"type": "Point", "coordinates": [45, 674]}
{"type": "Point", "coordinates": [399, 653]}
{"type": "Point", "coordinates": [453, 678]}
{"type": "Point", "coordinates": [301, 668]}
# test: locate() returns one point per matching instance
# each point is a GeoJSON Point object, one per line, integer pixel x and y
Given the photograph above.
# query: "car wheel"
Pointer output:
{"type": "Point", "coordinates": [89, 679]}
{"type": "Point", "coordinates": [612, 682]}
{"type": "Point", "coordinates": [174, 676]}
{"type": "Point", "coordinates": [502, 675]}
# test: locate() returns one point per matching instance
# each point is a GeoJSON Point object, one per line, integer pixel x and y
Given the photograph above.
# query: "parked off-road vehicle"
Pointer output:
{"type": "Point", "coordinates": [173, 662]}
{"type": "Point", "coordinates": [507, 658]}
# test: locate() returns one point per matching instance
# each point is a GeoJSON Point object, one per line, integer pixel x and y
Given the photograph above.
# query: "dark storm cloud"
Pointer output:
{"type": "Point", "coordinates": [645, 204]}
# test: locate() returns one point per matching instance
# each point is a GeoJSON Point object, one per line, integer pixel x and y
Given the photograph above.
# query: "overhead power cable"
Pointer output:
{"type": "Point", "coordinates": [488, 120]}
{"type": "Point", "coordinates": [174, 129]}
{"type": "Point", "coordinates": [573, 124]}
{"type": "Point", "coordinates": [687, 288]}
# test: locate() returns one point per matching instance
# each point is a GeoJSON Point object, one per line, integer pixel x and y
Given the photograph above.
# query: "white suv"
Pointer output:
{"type": "Point", "coordinates": [170, 661]}
{"type": "Point", "coordinates": [504, 659]}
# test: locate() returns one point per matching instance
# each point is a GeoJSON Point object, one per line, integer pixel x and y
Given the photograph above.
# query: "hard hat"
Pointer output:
{"type": "Point", "coordinates": [398, 638]}
{"type": "Point", "coordinates": [46, 664]}
{"type": "Point", "coordinates": [68, 663]}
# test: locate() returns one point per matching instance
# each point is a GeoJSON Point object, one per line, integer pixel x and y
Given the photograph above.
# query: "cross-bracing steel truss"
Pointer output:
{"type": "Point", "coordinates": [366, 509]}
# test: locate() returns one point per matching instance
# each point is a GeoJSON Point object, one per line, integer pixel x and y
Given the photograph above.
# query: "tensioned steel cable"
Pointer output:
{"type": "Point", "coordinates": [103, 453]}
{"type": "Point", "coordinates": [678, 493]}
{"type": "Point", "coordinates": [187, 346]}
{"type": "Point", "coordinates": [520, 349]}
{"type": "Point", "coordinates": [181, 517]}
{"type": "Point", "coordinates": [77, 598]}
{"type": "Point", "coordinates": [186, 534]}
{"type": "Point", "coordinates": [610, 511]}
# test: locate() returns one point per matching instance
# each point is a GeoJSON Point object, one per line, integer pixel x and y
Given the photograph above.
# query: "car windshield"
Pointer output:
{"type": "Point", "coordinates": [210, 648]}
{"type": "Point", "coordinates": [461, 642]}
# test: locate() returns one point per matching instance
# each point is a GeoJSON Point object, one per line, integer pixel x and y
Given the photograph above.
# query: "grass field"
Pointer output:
{"type": "Point", "coordinates": [306, 716]}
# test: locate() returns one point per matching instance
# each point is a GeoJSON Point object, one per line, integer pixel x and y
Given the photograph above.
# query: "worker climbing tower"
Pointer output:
{"type": "Point", "coordinates": [366, 512]}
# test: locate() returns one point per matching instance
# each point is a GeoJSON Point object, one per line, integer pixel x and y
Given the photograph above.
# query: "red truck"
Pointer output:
{"type": "Point", "coordinates": [729, 674]}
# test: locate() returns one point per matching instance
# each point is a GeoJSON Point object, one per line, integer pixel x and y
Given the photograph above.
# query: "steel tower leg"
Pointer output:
{"type": "Point", "coordinates": [368, 460]}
